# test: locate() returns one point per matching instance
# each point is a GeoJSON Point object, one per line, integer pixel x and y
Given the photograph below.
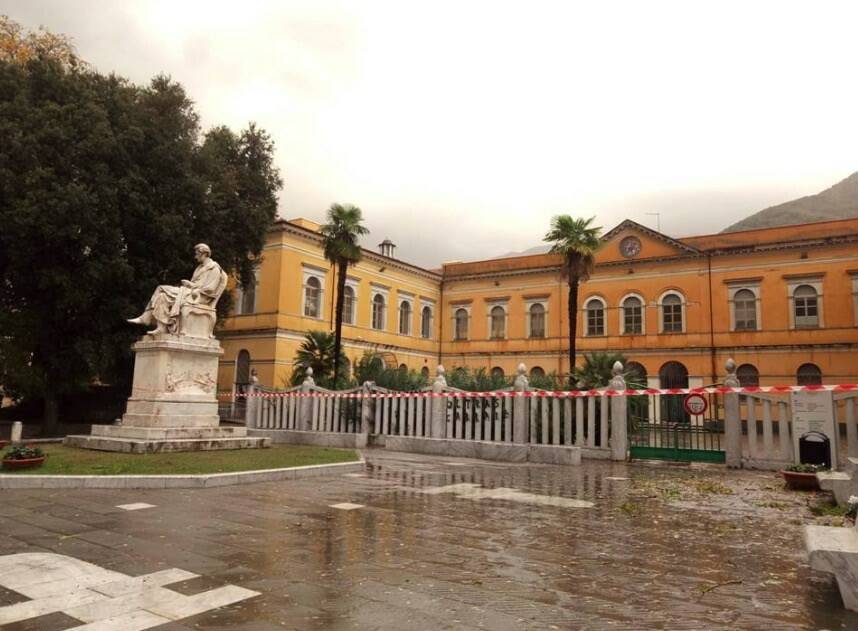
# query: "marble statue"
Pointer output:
{"type": "Point", "coordinates": [188, 309]}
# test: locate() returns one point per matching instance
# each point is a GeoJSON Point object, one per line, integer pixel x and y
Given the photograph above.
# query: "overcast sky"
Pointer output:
{"type": "Point", "coordinates": [461, 127]}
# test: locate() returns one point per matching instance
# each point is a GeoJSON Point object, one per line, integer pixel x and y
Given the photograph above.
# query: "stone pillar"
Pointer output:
{"type": "Point", "coordinates": [619, 416]}
{"type": "Point", "coordinates": [732, 419]}
{"type": "Point", "coordinates": [307, 402]}
{"type": "Point", "coordinates": [17, 433]}
{"type": "Point", "coordinates": [251, 403]}
{"type": "Point", "coordinates": [366, 416]}
{"type": "Point", "coordinates": [521, 421]}
{"type": "Point", "coordinates": [439, 405]}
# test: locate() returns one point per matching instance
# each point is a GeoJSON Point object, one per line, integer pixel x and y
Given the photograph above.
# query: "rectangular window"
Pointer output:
{"type": "Point", "coordinates": [633, 320]}
{"type": "Point", "coordinates": [537, 323]}
{"type": "Point", "coordinates": [672, 318]}
{"type": "Point", "coordinates": [746, 315]}
{"type": "Point", "coordinates": [349, 306]}
{"type": "Point", "coordinates": [595, 321]}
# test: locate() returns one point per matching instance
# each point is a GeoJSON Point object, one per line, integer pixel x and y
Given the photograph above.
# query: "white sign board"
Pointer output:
{"type": "Point", "coordinates": [813, 411]}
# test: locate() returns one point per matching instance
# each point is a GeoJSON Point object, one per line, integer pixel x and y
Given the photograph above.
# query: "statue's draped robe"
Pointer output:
{"type": "Point", "coordinates": [167, 301]}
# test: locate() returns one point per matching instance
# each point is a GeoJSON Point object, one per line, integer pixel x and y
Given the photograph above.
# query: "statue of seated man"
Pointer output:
{"type": "Point", "coordinates": [203, 290]}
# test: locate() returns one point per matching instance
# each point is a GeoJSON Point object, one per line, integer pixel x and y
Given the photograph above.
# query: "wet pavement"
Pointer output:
{"type": "Point", "coordinates": [506, 546]}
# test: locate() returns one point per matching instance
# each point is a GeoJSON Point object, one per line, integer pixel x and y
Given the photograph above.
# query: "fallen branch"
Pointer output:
{"type": "Point", "coordinates": [706, 590]}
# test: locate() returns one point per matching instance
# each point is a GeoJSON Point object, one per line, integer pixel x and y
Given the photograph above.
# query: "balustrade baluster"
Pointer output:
{"type": "Point", "coordinates": [851, 434]}
{"type": "Point", "coordinates": [591, 421]}
{"type": "Point", "coordinates": [768, 449]}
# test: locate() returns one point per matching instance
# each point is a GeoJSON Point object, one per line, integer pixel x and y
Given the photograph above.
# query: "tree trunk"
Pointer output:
{"type": "Point", "coordinates": [573, 320]}
{"type": "Point", "coordinates": [338, 323]}
{"type": "Point", "coordinates": [50, 417]}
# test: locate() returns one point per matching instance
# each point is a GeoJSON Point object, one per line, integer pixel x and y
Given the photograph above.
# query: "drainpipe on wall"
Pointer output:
{"type": "Point", "coordinates": [440, 316]}
{"type": "Point", "coordinates": [714, 365]}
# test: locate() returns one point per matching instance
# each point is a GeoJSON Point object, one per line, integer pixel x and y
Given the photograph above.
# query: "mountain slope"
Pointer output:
{"type": "Point", "coordinates": [838, 202]}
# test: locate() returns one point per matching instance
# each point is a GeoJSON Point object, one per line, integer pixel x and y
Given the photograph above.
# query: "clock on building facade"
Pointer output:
{"type": "Point", "coordinates": [630, 247]}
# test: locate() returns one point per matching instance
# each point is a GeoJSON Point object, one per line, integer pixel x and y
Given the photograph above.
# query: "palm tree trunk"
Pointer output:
{"type": "Point", "coordinates": [338, 326]}
{"type": "Point", "coordinates": [573, 319]}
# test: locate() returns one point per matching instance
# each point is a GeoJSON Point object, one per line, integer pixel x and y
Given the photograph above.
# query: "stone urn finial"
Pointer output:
{"type": "Point", "coordinates": [521, 383]}
{"type": "Point", "coordinates": [308, 378]}
{"type": "Point", "coordinates": [440, 381]}
{"type": "Point", "coordinates": [617, 370]}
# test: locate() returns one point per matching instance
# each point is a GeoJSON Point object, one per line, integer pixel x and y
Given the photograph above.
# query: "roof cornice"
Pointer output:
{"type": "Point", "coordinates": [282, 225]}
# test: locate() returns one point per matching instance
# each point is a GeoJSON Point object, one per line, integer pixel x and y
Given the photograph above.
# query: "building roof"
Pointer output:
{"type": "Point", "coordinates": [720, 243]}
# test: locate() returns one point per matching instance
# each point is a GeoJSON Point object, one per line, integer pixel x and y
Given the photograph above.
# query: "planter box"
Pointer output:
{"type": "Point", "coordinates": [800, 481]}
{"type": "Point", "coordinates": [25, 463]}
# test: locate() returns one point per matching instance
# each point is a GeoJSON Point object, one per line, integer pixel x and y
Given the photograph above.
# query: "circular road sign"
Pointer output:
{"type": "Point", "coordinates": [695, 404]}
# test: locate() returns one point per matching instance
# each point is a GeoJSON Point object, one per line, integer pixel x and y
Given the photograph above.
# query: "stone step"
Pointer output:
{"type": "Point", "coordinates": [167, 433]}
{"type": "Point", "coordinates": [142, 446]}
{"type": "Point", "coordinates": [838, 482]}
{"type": "Point", "coordinates": [171, 420]}
{"type": "Point", "coordinates": [835, 550]}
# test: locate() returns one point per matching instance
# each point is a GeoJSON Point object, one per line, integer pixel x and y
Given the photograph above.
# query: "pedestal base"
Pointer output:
{"type": "Point", "coordinates": [172, 405]}
{"type": "Point", "coordinates": [150, 440]}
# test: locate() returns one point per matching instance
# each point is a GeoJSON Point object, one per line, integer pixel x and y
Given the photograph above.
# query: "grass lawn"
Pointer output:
{"type": "Point", "coordinates": [71, 461]}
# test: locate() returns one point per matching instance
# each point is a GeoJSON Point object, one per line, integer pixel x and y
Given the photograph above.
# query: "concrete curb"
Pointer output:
{"type": "Point", "coordinates": [203, 481]}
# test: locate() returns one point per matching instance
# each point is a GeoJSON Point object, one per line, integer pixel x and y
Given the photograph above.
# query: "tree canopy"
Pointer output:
{"type": "Point", "coordinates": [105, 187]}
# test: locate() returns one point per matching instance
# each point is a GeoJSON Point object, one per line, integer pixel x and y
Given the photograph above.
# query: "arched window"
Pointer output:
{"type": "Point", "coordinates": [745, 310]}
{"type": "Point", "coordinates": [537, 371]}
{"type": "Point", "coordinates": [313, 298]}
{"type": "Point", "coordinates": [403, 368]}
{"type": "Point", "coordinates": [635, 374]}
{"type": "Point", "coordinates": [405, 318]}
{"type": "Point", "coordinates": [425, 372]}
{"type": "Point", "coordinates": [426, 323]}
{"type": "Point", "coordinates": [748, 375]}
{"type": "Point", "coordinates": [632, 316]}
{"type": "Point", "coordinates": [595, 310]}
{"type": "Point", "coordinates": [461, 324]}
{"type": "Point", "coordinates": [673, 375]}
{"type": "Point", "coordinates": [809, 375]}
{"type": "Point", "coordinates": [497, 372]}
{"type": "Point", "coordinates": [671, 314]}
{"type": "Point", "coordinates": [349, 305]}
{"type": "Point", "coordinates": [242, 371]}
{"type": "Point", "coordinates": [498, 318]}
{"type": "Point", "coordinates": [537, 320]}
{"type": "Point", "coordinates": [806, 306]}
{"type": "Point", "coordinates": [378, 312]}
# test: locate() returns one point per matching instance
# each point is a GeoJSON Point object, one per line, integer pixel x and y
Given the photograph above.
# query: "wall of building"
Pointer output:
{"type": "Point", "coordinates": [706, 272]}
{"type": "Point", "coordinates": [274, 331]}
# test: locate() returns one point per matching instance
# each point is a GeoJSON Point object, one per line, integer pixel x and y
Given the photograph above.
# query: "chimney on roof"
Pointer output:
{"type": "Point", "coordinates": [386, 248]}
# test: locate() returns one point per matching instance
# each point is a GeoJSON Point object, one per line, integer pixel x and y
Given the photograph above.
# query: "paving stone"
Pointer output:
{"type": "Point", "coordinates": [521, 547]}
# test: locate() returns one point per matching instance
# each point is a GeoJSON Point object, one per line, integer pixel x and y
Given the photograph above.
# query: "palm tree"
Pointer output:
{"type": "Point", "coordinates": [316, 352]}
{"type": "Point", "coordinates": [577, 241]}
{"type": "Point", "coordinates": [598, 369]}
{"type": "Point", "coordinates": [342, 249]}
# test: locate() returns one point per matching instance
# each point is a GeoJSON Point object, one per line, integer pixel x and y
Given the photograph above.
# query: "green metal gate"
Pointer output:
{"type": "Point", "coordinates": [672, 436]}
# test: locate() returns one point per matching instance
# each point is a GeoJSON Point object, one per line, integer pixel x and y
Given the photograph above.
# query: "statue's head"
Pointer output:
{"type": "Point", "coordinates": [202, 252]}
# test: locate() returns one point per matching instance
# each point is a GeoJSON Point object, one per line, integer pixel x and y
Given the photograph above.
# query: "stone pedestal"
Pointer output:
{"type": "Point", "coordinates": [173, 404]}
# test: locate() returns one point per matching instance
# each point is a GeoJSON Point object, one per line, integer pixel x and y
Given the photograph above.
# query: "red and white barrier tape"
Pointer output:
{"type": "Point", "coordinates": [560, 394]}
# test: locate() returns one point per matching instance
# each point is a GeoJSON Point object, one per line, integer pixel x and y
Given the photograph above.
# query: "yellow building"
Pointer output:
{"type": "Point", "coordinates": [390, 308]}
{"type": "Point", "coordinates": [783, 302]}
